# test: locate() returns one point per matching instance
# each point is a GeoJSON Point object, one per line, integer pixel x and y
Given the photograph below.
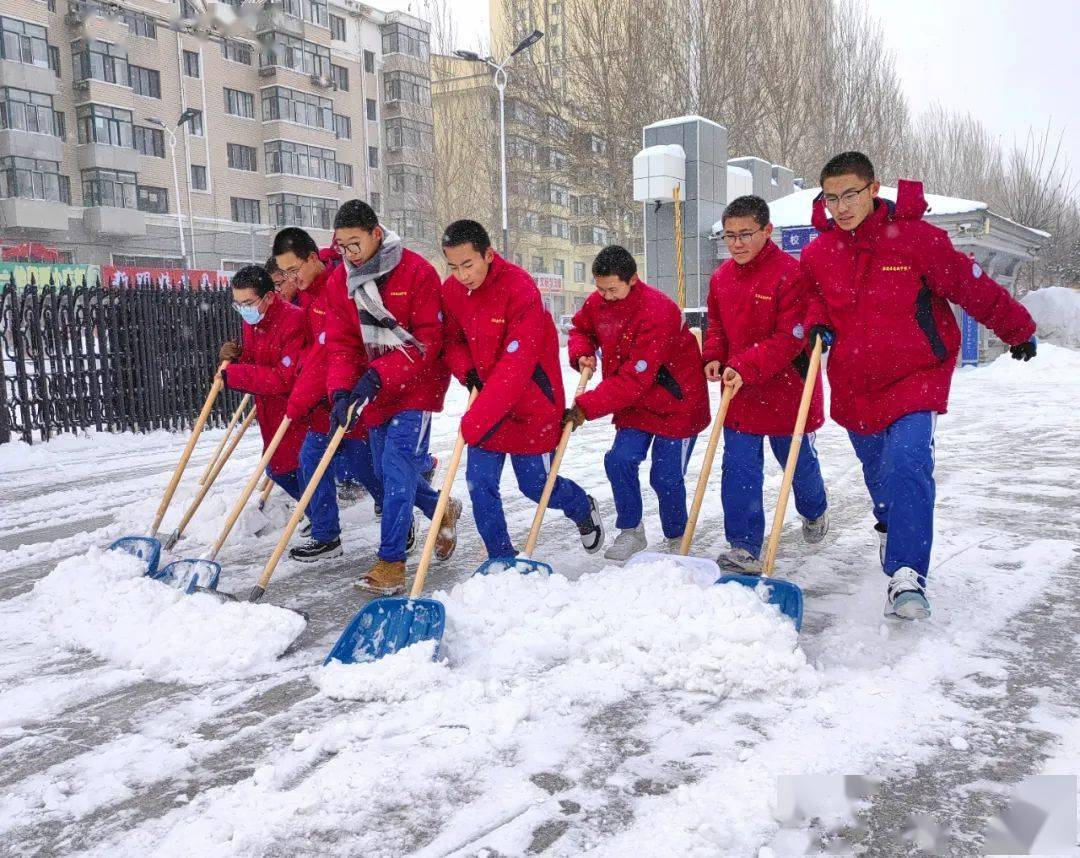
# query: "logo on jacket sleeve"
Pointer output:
{"type": "Point", "coordinates": [512, 346]}
{"type": "Point", "coordinates": [641, 365]}
{"type": "Point", "coordinates": [798, 331]}
{"type": "Point", "coordinates": [976, 270]}
{"type": "Point", "coordinates": [322, 338]}
{"type": "Point", "coordinates": [286, 361]}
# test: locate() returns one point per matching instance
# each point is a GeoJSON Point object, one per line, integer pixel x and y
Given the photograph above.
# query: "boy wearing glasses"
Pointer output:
{"type": "Point", "coordinates": [652, 385]}
{"type": "Point", "coordinates": [881, 279]}
{"type": "Point", "coordinates": [755, 344]}
{"type": "Point", "coordinates": [384, 360]}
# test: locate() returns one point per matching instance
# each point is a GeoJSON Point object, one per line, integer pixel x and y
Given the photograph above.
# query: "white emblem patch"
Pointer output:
{"type": "Point", "coordinates": [512, 347]}
{"type": "Point", "coordinates": [287, 361]}
{"type": "Point", "coordinates": [798, 331]}
{"type": "Point", "coordinates": [322, 338]}
{"type": "Point", "coordinates": [641, 366]}
{"type": "Point", "coordinates": [976, 270]}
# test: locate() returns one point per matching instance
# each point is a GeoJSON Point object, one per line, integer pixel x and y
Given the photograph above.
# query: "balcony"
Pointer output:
{"type": "Point", "coordinates": [30, 144]}
{"type": "Point", "coordinates": [17, 213]}
{"type": "Point", "coordinates": [109, 220]}
{"type": "Point", "coordinates": [107, 157]}
{"type": "Point", "coordinates": [26, 76]}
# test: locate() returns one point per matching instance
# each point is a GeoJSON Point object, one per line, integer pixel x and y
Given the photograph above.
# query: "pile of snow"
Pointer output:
{"type": "Point", "coordinates": [1056, 311]}
{"type": "Point", "coordinates": [1051, 365]}
{"type": "Point", "coordinates": [102, 602]}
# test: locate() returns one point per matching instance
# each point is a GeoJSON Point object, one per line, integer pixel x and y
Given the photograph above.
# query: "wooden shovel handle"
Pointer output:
{"type": "Point", "coordinates": [196, 431]}
{"type": "Point", "coordinates": [440, 510]}
{"type": "Point", "coordinates": [237, 414]}
{"type": "Point", "coordinates": [268, 486]}
{"type": "Point", "coordinates": [706, 469]}
{"type": "Point", "coordinates": [553, 471]}
{"type": "Point", "coordinates": [792, 459]}
{"type": "Point", "coordinates": [253, 480]}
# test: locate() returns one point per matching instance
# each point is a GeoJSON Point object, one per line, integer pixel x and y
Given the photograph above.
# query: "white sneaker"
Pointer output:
{"type": "Point", "coordinates": [905, 597]}
{"type": "Point", "coordinates": [627, 544]}
{"type": "Point", "coordinates": [814, 529]}
{"type": "Point", "coordinates": [740, 561]}
{"type": "Point", "coordinates": [883, 538]}
{"type": "Point", "coordinates": [668, 546]}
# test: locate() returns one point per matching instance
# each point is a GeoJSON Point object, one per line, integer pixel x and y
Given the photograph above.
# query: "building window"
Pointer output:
{"type": "Point", "coordinates": [306, 10]}
{"type": "Point", "coordinates": [558, 195]}
{"type": "Point", "coordinates": [340, 76]}
{"type": "Point", "coordinates": [406, 179]}
{"type": "Point", "coordinates": [155, 200]}
{"type": "Point", "coordinates": [373, 156]}
{"type": "Point", "coordinates": [245, 211]}
{"type": "Point", "coordinates": [54, 59]}
{"type": "Point", "coordinates": [23, 110]}
{"type": "Point", "coordinates": [31, 179]}
{"type": "Point", "coordinates": [342, 127]}
{"type": "Point", "coordinates": [376, 201]}
{"type": "Point", "coordinates": [296, 54]}
{"type": "Point", "coordinates": [61, 125]}
{"type": "Point", "coordinates": [537, 264]}
{"type": "Point", "coordinates": [558, 228]}
{"type": "Point", "coordinates": [579, 272]}
{"type": "Point", "coordinates": [235, 51]}
{"type": "Point", "coordinates": [196, 123]}
{"type": "Point", "coordinates": [191, 64]}
{"type": "Point", "coordinates": [411, 224]}
{"type": "Point", "coordinates": [556, 159]}
{"type": "Point", "coordinates": [344, 174]}
{"type": "Point", "coordinates": [597, 145]}
{"type": "Point", "coordinates": [101, 124]}
{"type": "Point", "coordinates": [150, 141]}
{"type": "Point", "coordinates": [239, 103]}
{"type": "Point", "coordinates": [296, 210]}
{"type": "Point", "coordinates": [198, 177]}
{"type": "Point", "coordinates": [337, 28]}
{"type": "Point", "coordinates": [303, 108]}
{"type": "Point", "coordinates": [300, 159]}
{"type": "Point", "coordinates": [372, 113]}
{"type": "Point", "coordinates": [560, 266]}
{"type": "Point", "coordinates": [403, 86]}
{"type": "Point", "coordinates": [403, 39]}
{"type": "Point", "coordinates": [369, 62]}
{"type": "Point", "coordinates": [140, 24]}
{"type": "Point", "coordinates": [241, 157]}
{"type": "Point", "coordinates": [404, 133]}
{"type": "Point", "coordinates": [97, 60]}
{"type": "Point", "coordinates": [145, 81]}
{"type": "Point", "coordinates": [114, 188]}
{"type": "Point", "coordinates": [22, 42]}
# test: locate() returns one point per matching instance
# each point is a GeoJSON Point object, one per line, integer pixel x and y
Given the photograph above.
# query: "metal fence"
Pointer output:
{"type": "Point", "coordinates": [135, 359]}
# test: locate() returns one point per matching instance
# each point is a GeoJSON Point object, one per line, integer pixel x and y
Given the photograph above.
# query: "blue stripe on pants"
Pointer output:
{"type": "Point", "coordinates": [667, 477]}
{"type": "Point", "coordinates": [483, 473]}
{"type": "Point", "coordinates": [898, 468]}
{"type": "Point", "coordinates": [399, 450]}
{"type": "Point", "coordinates": [742, 479]}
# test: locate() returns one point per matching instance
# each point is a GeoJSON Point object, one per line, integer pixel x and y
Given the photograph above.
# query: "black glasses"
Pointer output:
{"type": "Point", "coordinates": [847, 198]}
{"type": "Point", "coordinates": [736, 237]}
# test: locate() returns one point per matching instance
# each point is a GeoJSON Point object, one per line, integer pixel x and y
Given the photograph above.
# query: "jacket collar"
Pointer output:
{"type": "Point", "coordinates": [768, 252]}
{"type": "Point", "coordinates": [272, 312]}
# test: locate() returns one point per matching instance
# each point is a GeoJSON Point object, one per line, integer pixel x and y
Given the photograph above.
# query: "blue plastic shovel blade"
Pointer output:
{"type": "Point", "coordinates": [146, 548]}
{"type": "Point", "coordinates": [384, 626]}
{"type": "Point", "coordinates": [188, 574]}
{"type": "Point", "coordinates": [524, 565]}
{"type": "Point", "coordinates": [785, 595]}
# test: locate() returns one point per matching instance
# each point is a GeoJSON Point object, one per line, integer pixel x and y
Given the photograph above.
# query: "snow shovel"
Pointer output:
{"type": "Point", "coordinates": [524, 563]}
{"type": "Point", "coordinates": [148, 548]}
{"type": "Point", "coordinates": [784, 594]}
{"type": "Point", "coordinates": [237, 414]}
{"type": "Point", "coordinates": [201, 574]}
{"type": "Point", "coordinates": [387, 624]}
{"type": "Point", "coordinates": [174, 537]}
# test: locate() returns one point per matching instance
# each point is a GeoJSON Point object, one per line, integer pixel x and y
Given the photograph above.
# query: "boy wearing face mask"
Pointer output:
{"type": "Point", "coordinates": [265, 363]}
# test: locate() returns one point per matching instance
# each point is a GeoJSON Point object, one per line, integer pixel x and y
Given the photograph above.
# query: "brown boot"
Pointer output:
{"type": "Point", "coordinates": [446, 541]}
{"type": "Point", "coordinates": [385, 578]}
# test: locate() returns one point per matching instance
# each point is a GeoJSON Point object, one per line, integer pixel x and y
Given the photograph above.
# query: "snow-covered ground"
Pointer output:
{"type": "Point", "coordinates": [1056, 310]}
{"type": "Point", "coordinates": [600, 711]}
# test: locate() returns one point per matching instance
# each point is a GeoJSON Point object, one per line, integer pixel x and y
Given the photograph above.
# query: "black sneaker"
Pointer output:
{"type": "Point", "coordinates": [430, 475]}
{"type": "Point", "coordinates": [410, 540]}
{"type": "Point", "coordinates": [305, 528]}
{"type": "Point", "coordinates": [313, 550]}
{"type": "Point", "coordinates": [378, 509]}
{"type": "Point", "coordinates": [592, 529]}
{"type": "Point", "coordinates": [350, 492]}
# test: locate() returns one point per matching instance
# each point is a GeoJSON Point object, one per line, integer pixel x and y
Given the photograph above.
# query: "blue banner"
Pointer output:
{"type": "Point", "coordinates": [794, 239]}
{"type": "Point", "coordinates": [969, 340]}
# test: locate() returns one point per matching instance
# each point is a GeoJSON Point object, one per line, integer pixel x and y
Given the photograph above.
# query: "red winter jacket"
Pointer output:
{"type": "Point", "coordinates": [267, 368]}
{"type": "Point", "coordinates": [885, 289]}
{"type": "Point", "coordinates": [502, 330]}
{"type": "Point", "coordinates": [651, 363]}
{"type": "Point", "coordinates": [310, 395]}
{"type": "Point", "coordinates": [755, 327]}
{"type": "Point", "coordinates": [410, 380]}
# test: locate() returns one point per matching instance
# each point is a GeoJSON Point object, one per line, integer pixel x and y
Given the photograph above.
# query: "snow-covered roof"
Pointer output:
{"type": "Point", "coordinates": [680, 120]}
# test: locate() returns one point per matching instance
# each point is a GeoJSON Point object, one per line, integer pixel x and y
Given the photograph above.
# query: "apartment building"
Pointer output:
{"type": "Point", "coordinates": [124, 126]}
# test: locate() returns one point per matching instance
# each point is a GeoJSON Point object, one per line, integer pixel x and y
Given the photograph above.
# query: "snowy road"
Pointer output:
{"type": "Point", "coordinates": [598, 714]}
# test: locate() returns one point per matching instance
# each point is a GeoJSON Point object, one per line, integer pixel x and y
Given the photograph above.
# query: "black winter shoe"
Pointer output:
{"type": "Point", "coordinates": [313, 550]}
{"type": "Point", "coordinates": [592, 529]}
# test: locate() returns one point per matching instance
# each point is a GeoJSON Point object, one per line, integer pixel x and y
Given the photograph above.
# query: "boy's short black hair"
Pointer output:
{"type": "Point", "coordinates": [296, 241]}
{"type": "Point", "coordinates": [271, 266]}
{"type": "Point", "coordinates": [356, 214]}
{"type": "Point", "coordinates": [848, 164]}
{"type": "Point", "coordinates": [617, 260]}
{"type": "Point", "coordinates": [747, 206]}
{"type": "Point", "coordinates": [253, 277]}
{"type": "Point", "coordinates": [466, 232]}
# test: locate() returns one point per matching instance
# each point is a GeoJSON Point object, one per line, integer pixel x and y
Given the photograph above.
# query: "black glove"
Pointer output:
{"type": "Point", "coordinates": [825, 333]}
{"type": "Point", "coordinates": [225, 378]}
{"type": "Point", "coordinates": [364, 390]}
{"type": "Point", "coordinates": [472, 381]}
{"type": "Point", "coordinates": [1024, 351]}
{"type": "Point", "coordinates": [574, 415]}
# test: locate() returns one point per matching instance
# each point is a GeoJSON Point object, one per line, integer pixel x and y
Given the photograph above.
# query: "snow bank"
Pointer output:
{"type": "Point", "coordinates": [101, 602]}
{"type": "Point", "coordinates": [1051, 365]}
{"type": "Point", "coordinates": [1056, 310]}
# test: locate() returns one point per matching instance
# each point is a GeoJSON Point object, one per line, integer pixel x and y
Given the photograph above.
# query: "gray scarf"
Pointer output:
{"type": "Point", "coordinates": [381, 332]}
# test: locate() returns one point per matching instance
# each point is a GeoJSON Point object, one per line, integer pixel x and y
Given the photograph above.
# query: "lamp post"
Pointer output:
{"type": "Point", "coordinates": [500, 77]}
{"type": "Point", "coordinates": [187, 116]}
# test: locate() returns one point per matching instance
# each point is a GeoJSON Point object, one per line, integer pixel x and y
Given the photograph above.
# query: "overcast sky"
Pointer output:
{"type": "Point", "coordinates": [1014, 63]}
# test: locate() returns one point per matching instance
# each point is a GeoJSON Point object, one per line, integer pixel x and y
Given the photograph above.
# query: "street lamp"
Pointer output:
{"type": "Point", "coordinates": [500, 76]}
{"type": "Point", "coordinates": [187, 116]}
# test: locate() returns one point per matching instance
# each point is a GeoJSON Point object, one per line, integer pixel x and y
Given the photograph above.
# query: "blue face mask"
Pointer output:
{"type": "Point", "coordinates": [251, 315]}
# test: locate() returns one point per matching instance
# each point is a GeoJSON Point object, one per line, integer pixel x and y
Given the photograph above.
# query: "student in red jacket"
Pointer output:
{"type": "Point", "coordinates": [652, 384]}
{"type": "Point", "coordinates": [499, 340]}
{"type": "Point", "coordinates": [881, 279]}
{"type": "Point", "coordinates": [755, 344]}
{"type": "Point", "coordinates": [265, 363]}
{"type": "Point", "coordinates": [384, 345]}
